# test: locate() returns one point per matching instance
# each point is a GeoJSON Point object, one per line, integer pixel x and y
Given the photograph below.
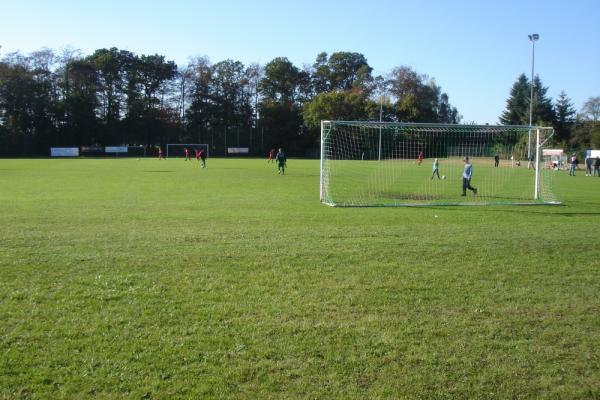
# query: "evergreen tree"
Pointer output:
{"type": "Point", "coordinates": [565, 116]}
{"type": "Point", "coordinates": [543, 111]}
{"type": "Point", "coordinates": [517, 106]}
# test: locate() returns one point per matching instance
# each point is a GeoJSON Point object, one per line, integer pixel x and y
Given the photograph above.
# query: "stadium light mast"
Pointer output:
{"type": "Point", "coordinates": [380, 116]}
{"type": "Point", "coordinates": [382, 94]}
{"type": "Point", "coordinates": [533, 38]}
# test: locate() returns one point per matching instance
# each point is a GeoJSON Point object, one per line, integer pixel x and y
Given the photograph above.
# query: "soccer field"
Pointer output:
{"type": "Point", "coordinates": [124, 278]}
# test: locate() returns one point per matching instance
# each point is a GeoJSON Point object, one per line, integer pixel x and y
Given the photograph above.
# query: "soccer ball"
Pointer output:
{"type": "Point", "coordinates": [443, 176]}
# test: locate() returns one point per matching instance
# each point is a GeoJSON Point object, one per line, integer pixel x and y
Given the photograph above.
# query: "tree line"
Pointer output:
{"type": "Point", "coordinates": [116, 97]}
{"type": "Point", "coordinates": [572, 130]}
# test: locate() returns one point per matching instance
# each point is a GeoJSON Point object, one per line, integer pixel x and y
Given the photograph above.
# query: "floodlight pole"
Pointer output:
{"type": "Point", "coordinates": [536, 193]}
{"type": "Point", "coordinates": [380, 115]}
{"type": "Point", "coordinates": [533, 38]}
{"type": "Point", "coordinates": [380, 120]}
{"type": "Point", "coordinates": [322, 163]}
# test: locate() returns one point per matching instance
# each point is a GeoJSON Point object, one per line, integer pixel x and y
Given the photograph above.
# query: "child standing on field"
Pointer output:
{"type": "Point", "coordinates": [467, 174]}
{"type": "Point", "coordinates": [573, 165]}
{"type": "Point", "coordinates": [436, 169]}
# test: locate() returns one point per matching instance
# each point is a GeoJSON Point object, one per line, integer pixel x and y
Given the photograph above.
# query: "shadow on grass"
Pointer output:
{"type": "Point", "coordinates": [539, 209]}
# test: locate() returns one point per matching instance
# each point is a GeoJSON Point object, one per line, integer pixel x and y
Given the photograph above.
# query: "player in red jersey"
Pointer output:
{"type": "Point", "coordinates": [187, 153]}
{"type": "Point", "coordinates": [197, 152]}
{"type": "Point", "coordinates": [160, 153]}
{"type": "Point", "coordinates": [420, 158]}
{"type": "Point", "coordinates": [271, 156]}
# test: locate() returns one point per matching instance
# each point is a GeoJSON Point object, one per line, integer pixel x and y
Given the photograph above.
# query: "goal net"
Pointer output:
{"type": "Point", "coordinates": [178, 149]}
{"type": "Point", "coordinates": [392, 164]}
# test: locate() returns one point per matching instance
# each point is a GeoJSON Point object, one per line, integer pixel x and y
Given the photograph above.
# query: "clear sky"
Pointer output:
{"type": "Point", "coordinates": [474, 49]}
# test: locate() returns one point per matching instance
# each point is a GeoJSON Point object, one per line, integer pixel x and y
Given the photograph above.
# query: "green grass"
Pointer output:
{"type": "Point", "coordinates": [404, 182]}
{"type": "Point", "coordinates": [155, 279]}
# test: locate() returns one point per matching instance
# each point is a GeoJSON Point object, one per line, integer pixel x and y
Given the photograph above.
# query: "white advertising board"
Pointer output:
{"type": "Point", "coordinates": [593, 153]}
{"type": "Point", "coordinates": [553, 152]}
{"type": "Point", "coordinates": [64, 151]}
{"type": "Point", "coordinates": [115, 149]}
{"type": "Point", "coordinates": [237, 150]}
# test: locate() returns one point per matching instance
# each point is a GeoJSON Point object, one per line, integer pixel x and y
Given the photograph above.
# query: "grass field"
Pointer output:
{"type": "Point", "coordinates": [157, 280]}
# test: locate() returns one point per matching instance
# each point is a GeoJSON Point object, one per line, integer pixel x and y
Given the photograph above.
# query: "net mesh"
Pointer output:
{"type": "Point", "coordinates": [392, 164]}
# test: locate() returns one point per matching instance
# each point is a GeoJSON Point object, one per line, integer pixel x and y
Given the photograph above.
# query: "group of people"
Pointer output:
{"type": "Point", "coordinates": [466, 176]}
{"type": "Point", "coordinates": [589, 164]}
{"type": "Point", "coordinates": [200, 155]}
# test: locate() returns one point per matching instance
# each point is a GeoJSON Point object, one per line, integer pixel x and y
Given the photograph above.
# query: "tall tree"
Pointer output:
{"type": "Point", "coordinates": [80, 103]}
{"type": "Point", "coordinates": [231, 103]}
{"type": "Point", "coordinates": [321, 74]}
{"type": "Point", "coordinates": [595, 136]}
{"type": "Point", "coordinates": [108, 64]}
{"type": "Point", "coordinates": [17, 91]}
{"type": "Point", "coordinates": [447, 114]}
{"type": "Point", "coordinates": [586, 130]}
{"type": "Point", "coordinates": [348, 70]}
{"type": "Point", "coordinates": [517, 105]}
{"type": "Point", "coordinates": [280, 81]}
{"type": "Point", "coordinates": [254, 73]}
{"type": "Point", "coordinates": [585, 134]}
{"type": "Point", "coordinates": [346, 106]}
{"type": "Point", "coordinates": [153, 72]}
{"type": "Point", "coordinates": [419, 98]}
{"type": "Point", "coordinates": [198, 115]}
{"type": "Point", "coordinates": [184, 78]}
{"type": "Point", "coordinates": [543, 111]}
{"type": "Point", "coordinates": [565, 117]}
{"type": "Point", "coordinates": [381, 105]}
{"type": "Point", "coordinates": [280, 110]}
{"type": "Point", "coordinates": [591, 109]}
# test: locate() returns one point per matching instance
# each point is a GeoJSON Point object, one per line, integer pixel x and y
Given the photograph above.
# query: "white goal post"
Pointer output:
{"type": "Point", "coordinates": [177, 149]}
{"type": "Point", "coordinates": [410, 164]}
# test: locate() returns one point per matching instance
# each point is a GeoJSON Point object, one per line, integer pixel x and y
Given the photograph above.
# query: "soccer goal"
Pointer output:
{"type": "Point", "coordinates": [178, 149]}
{"type": "Point", "coordinates": [392, 164]}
